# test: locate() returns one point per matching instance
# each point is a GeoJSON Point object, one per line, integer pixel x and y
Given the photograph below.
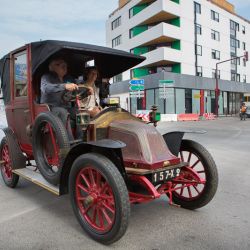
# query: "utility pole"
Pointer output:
{"type": "Point", "coordinates": [217, 90]}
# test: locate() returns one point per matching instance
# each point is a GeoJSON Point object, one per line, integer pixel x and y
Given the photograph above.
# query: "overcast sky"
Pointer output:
{"type": "Point", "coordinates": [24, 21]}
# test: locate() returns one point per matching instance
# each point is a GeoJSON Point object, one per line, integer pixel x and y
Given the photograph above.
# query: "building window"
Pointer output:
{"type": "Point", "coordinates": [244, 62]}
{"type": "Point", "coordinates": [198, 50]}
{"type": "Point", "coordinates": [118, 78]}
{"type": "Point", "coordinates": [131, 12]}
{"type": "Point", "coordinates": [214, 73]}
{"type": "Point", "coordinates": [116, 41]}
{"type": "Point", "coordinates": [116, 23]}
{"type": "Point", "coordinates": [243, 45]}
{"type": "Point", "coordinates": [215, 35]}
{"type": "Point", "coordinates": [131, 33]}
{"type": "Point", "coordinates": [234, 25]}
{"type": "Point", "coordinates": [215, 16]}
{"type": "Point", "coordinates": [197, 8]}
{"type": "Point", "coordinates": [234, 43]}
{"type": "Point", "coordinates": [243, 29]}
{"type": "Point", "coordinates": [198, 70]}
{"type": "Point", "coordinates": [215, 54]}
{"type": "Point", "coordinates": [244, 78]}
{"type": "Point", "coordinates": [238, 77]}
{"type": "Point", "coordinates": [235, 77]}
{"type": "Point", "coordinates": [198, 29]}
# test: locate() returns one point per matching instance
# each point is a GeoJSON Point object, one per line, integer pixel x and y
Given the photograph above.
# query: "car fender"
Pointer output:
{"type": "Point", "coordinates": [173, 139]}
{"type": "Point", "coordinates": [107, 147]}
{"type": "Point", "coordinates": [17, 157]}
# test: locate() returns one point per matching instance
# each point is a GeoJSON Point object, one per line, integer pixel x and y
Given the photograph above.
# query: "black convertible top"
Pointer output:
{"type": "Point", "coordinates": [110, 62]}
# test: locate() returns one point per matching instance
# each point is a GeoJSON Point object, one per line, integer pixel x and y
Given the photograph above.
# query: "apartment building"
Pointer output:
{"type": "Point", "coordinates": [182, 41]}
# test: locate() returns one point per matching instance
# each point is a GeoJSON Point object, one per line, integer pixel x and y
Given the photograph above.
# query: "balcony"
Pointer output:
{"type": "Point", "coordinates": [161, 33]}
{"type": "Point", "coordinates": [161, 56]}
{"type": "Point", "coordinates": [159, 11]}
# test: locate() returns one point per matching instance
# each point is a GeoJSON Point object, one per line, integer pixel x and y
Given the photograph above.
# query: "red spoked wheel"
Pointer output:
{"type": "Point", "coordinates": [9, 178]}
{"type": "Point", "coordinates": [198, 182]}
{"type": "Point", "coordinates": [95, 199]}
{"type": "Point", "coordinates": [99, 197]}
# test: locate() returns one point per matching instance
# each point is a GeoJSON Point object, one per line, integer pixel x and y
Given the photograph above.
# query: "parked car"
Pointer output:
{"type": "Point", "coordinates": [120, 160]}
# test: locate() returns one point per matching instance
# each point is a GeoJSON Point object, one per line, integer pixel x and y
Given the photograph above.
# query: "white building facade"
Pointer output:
{"type": "Point", "coordinates": [182, 41]}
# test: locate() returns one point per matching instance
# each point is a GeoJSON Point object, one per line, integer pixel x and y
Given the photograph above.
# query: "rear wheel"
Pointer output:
{"type": "Point", "coordinates": [197, 183]}
{"type": "Point", "coordinates": [10, 179]}
{"type": "Point", "coordinates": [99, 197]}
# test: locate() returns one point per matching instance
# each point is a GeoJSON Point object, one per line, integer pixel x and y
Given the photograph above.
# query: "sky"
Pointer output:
{"type": "Point", "coordinates": [24, 21]}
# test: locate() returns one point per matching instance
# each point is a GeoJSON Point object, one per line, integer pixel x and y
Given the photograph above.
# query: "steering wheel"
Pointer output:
{"type": "Point", "coordinates": [70, 96]}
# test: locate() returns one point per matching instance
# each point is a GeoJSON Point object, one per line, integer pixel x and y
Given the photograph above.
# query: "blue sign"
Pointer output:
{"type": "Point", "coordinates": [137, 82]}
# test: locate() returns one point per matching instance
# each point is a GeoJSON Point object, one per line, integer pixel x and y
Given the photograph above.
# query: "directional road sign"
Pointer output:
{"type": "Point", "coordinates": [136, 82]}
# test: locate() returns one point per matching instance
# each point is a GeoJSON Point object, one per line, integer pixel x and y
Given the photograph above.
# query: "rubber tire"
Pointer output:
{"type": "Point", "coordinates": [113, 176]}
{"type": "Point", "coordinates": [15, 178]}
{"type": "Point", "coordinates": [211, 176]}
{"type": "Point", "coordinates": [63, 142]}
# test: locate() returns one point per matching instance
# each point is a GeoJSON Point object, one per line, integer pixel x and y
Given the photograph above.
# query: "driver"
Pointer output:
{"type": "Point", "coordinates": [52, 88]}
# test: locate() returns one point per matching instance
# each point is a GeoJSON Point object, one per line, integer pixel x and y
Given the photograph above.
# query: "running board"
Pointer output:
{"type": "Point", "coordinates": [37, 178]}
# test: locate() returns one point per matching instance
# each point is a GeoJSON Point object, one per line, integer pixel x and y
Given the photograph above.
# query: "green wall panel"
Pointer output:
{"type": "Point", "coordinates": [140, 50]}
{"type": "Point", "coordinates": [139, 29]}
{"type": "Point", "coordinates": [176, 45]}
{"type": "Point", "coordinates": [175, 21]}
{"type": "Point", "coordinates": [176, 1]}
{"type": "Point", "coordinates": [176, 68]}
{"type": "Point", "coordinates": [140, 72]}
{"type": "Point", "coordinates": [139, 8]}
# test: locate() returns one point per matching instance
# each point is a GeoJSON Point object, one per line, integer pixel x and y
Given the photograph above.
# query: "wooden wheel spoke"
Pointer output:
{"type": "Point", "coordinates": [94, 214]}
{"type": "Point", "coordinates": [83, 188]}
{"type": "Point", "coordinates": [182, 189]}
{"type": "Point", "coordinates": [195, 163]}
{"type": "Point", "coordinates": [189, 192]}
{"type": "Point", "coordinates": [182, 158]}
{"type": "Point", "coordinates": [100, 217]}
{"type": "Point", "coordinates": [197, 190]}
{"type": "Point", "coordinates": [189, 157]}
{"type": "Point", "coordinates": [106, 216]}
{"type": "Point", "coordinates": [98, 180]}
{"type": "Point", "coordinates": [91, 176]}
{"type": "Point", "coordinates": [108, 207]}
{"type": "Point", "coordinates": [85, 180]}
{"type": "Point", "coordinates": [104, 188]}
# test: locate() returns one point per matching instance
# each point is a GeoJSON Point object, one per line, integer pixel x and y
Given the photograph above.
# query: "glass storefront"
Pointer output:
{"type": "Point", "coordinates": [179, 101]}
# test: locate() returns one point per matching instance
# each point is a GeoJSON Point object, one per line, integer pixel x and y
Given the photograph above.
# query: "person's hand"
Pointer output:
{"type": "Point", "coordinates": [71, 87]}
{"type": "Point", "coordinates": [94, 111]}
{"type": "Point", "coordinates": [90, 91]}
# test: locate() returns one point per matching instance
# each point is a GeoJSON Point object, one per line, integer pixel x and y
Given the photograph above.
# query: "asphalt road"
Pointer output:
{"type": "Point", "coordinates": [32, 218]}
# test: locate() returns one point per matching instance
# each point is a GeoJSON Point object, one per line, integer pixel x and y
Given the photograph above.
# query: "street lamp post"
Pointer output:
{"type": "Point", "coordinates": [217, 90]}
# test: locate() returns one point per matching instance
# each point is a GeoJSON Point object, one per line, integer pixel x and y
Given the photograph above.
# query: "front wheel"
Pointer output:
{"type": "Point", "coordinates": [198, 182]}
{"type": "Point", "coordinates": [99, 197]}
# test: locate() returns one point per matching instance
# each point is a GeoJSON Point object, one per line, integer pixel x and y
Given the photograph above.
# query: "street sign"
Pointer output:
{"type": "Point", "coordinates": [163, 86]}
{"type": "Point", "coordinates": [136, 87]}
{"type": "Point", "coordinates": [136, 82]}
{"type": "Point", "coordinates": [136, 94]}
{"type": "Point", "coordinates": [166, 82]}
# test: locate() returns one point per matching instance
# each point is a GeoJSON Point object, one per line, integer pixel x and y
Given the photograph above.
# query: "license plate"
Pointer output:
{"type": "Point", "coordinates": [166, 175]}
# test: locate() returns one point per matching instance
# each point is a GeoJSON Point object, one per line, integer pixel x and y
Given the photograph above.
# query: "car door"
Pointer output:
{"type": "Point", "coordinates": [21, 116]}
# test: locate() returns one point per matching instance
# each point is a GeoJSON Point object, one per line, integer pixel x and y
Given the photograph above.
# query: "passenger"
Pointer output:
{"type": "Point", "coordinates": [91, 104]}
{"type": "Point", "coordinates": [52, 88]}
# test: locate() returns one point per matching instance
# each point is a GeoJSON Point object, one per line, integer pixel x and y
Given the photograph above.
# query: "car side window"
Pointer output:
{"type": "Point", "coordinates": [20, 74]}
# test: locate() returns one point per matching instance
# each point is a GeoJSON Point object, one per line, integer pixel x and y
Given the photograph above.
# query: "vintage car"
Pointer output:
{"type": "Point", "coordinates": [120, 160]}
